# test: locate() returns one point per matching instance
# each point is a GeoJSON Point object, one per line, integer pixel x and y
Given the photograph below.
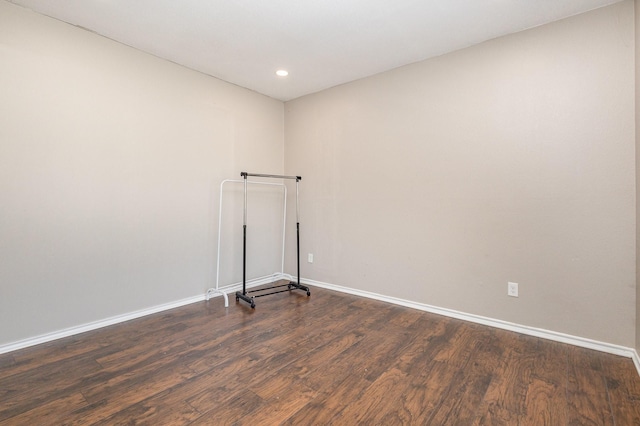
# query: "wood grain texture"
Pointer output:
{"type": "Point", "coordinates": [328, 359]}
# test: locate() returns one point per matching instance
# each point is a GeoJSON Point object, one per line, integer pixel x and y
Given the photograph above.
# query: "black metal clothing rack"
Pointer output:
{"type": "Point", "coordinates": [292, 285]}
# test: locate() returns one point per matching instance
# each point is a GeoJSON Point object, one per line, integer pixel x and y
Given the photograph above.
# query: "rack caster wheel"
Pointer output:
{"type": "Point", "coordinates": [253, 306]}
{"type": "Point", "coordinates": [308, 293]}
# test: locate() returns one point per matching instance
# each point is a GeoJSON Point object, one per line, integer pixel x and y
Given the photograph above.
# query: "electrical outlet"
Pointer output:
{"type": "Point", "coordinates": [310, 258]}
{"type": "Point", "coordinates": [512, 289]}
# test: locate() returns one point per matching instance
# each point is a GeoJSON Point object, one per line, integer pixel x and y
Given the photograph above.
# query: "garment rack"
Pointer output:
{"type": "Point", "coordinates": [221, 289]}
{"type": "Point", "coordinates": [291, 285]}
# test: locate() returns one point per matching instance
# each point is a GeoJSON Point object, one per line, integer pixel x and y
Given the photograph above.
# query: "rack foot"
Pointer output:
{"type": "Point", "coordinates": [295, 285]}
{"type": "Point", "coordinates": [212, 291]}
{"type": "Point", "coordinates": [246, 298]}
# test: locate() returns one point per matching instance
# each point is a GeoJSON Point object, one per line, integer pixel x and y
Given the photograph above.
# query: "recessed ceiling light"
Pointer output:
{"type": "Point", "coordinates": [282, 73]}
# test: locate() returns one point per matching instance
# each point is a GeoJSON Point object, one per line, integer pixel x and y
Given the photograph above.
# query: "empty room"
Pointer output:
{"type": "Point", "coordinates": [304, 212]}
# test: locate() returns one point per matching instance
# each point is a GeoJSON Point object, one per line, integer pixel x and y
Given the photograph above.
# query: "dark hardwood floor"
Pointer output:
{"type": "Point", "coordinates": [328, 359]}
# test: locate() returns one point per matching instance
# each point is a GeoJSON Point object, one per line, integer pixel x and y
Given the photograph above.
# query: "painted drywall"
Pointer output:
{"type": "Point", "coordinates": [110, 163]}
{"type": "Point", "coordinates": [512, 160]}
{"type": "Point", "coordinates": [637, 93]}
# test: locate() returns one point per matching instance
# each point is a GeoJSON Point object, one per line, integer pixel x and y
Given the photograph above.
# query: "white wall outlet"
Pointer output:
{"type": "Point", "coordinates": [310, 258]}
{"type": "Point", "coordinates": [512, 289]}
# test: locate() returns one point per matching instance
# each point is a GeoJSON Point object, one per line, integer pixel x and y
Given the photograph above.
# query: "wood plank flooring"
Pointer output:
{"type": "Point", "coordinates": [328, 359]}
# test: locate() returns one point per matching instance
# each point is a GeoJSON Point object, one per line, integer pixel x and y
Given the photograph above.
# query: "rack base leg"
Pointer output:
{"type": "Point", "coordinates": [295, 285]}
{"type": "Point", "coordinates": [246, 298]}
{"type": "Point", "coordinates": [212, 291]}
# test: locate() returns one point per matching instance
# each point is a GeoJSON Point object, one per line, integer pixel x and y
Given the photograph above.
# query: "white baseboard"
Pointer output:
{"type": "Point", "coordinates": [43, 338]}
{"type": "Point", "coordinates": [505, 325]}
{"type": "Point", "coordinates": [48, 337]}
{"type": "Point", "coordinates": [636, 360]}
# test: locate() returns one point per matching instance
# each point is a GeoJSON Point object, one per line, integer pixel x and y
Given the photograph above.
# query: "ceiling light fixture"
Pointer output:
{"type": "Point", "coordinates": [282, 73]}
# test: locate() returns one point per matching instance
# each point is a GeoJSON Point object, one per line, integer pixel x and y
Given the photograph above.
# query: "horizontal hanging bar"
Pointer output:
{"type": "Point", "coordinates": [245, 175]}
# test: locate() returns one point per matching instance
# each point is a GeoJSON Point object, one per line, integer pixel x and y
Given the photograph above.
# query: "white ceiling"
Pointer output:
{"type": "Point", "coordinates": [322, 43]}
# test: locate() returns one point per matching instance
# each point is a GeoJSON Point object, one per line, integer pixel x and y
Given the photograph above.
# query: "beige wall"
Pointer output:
{"type": "Point", "coordinates": [437, 182]}
{"type": "Point", "coordinates": [110, 161]}
{"type": "Point", "coordinates": [637, 92]}
{"type": "Point", "coordinates": [513, 160]}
